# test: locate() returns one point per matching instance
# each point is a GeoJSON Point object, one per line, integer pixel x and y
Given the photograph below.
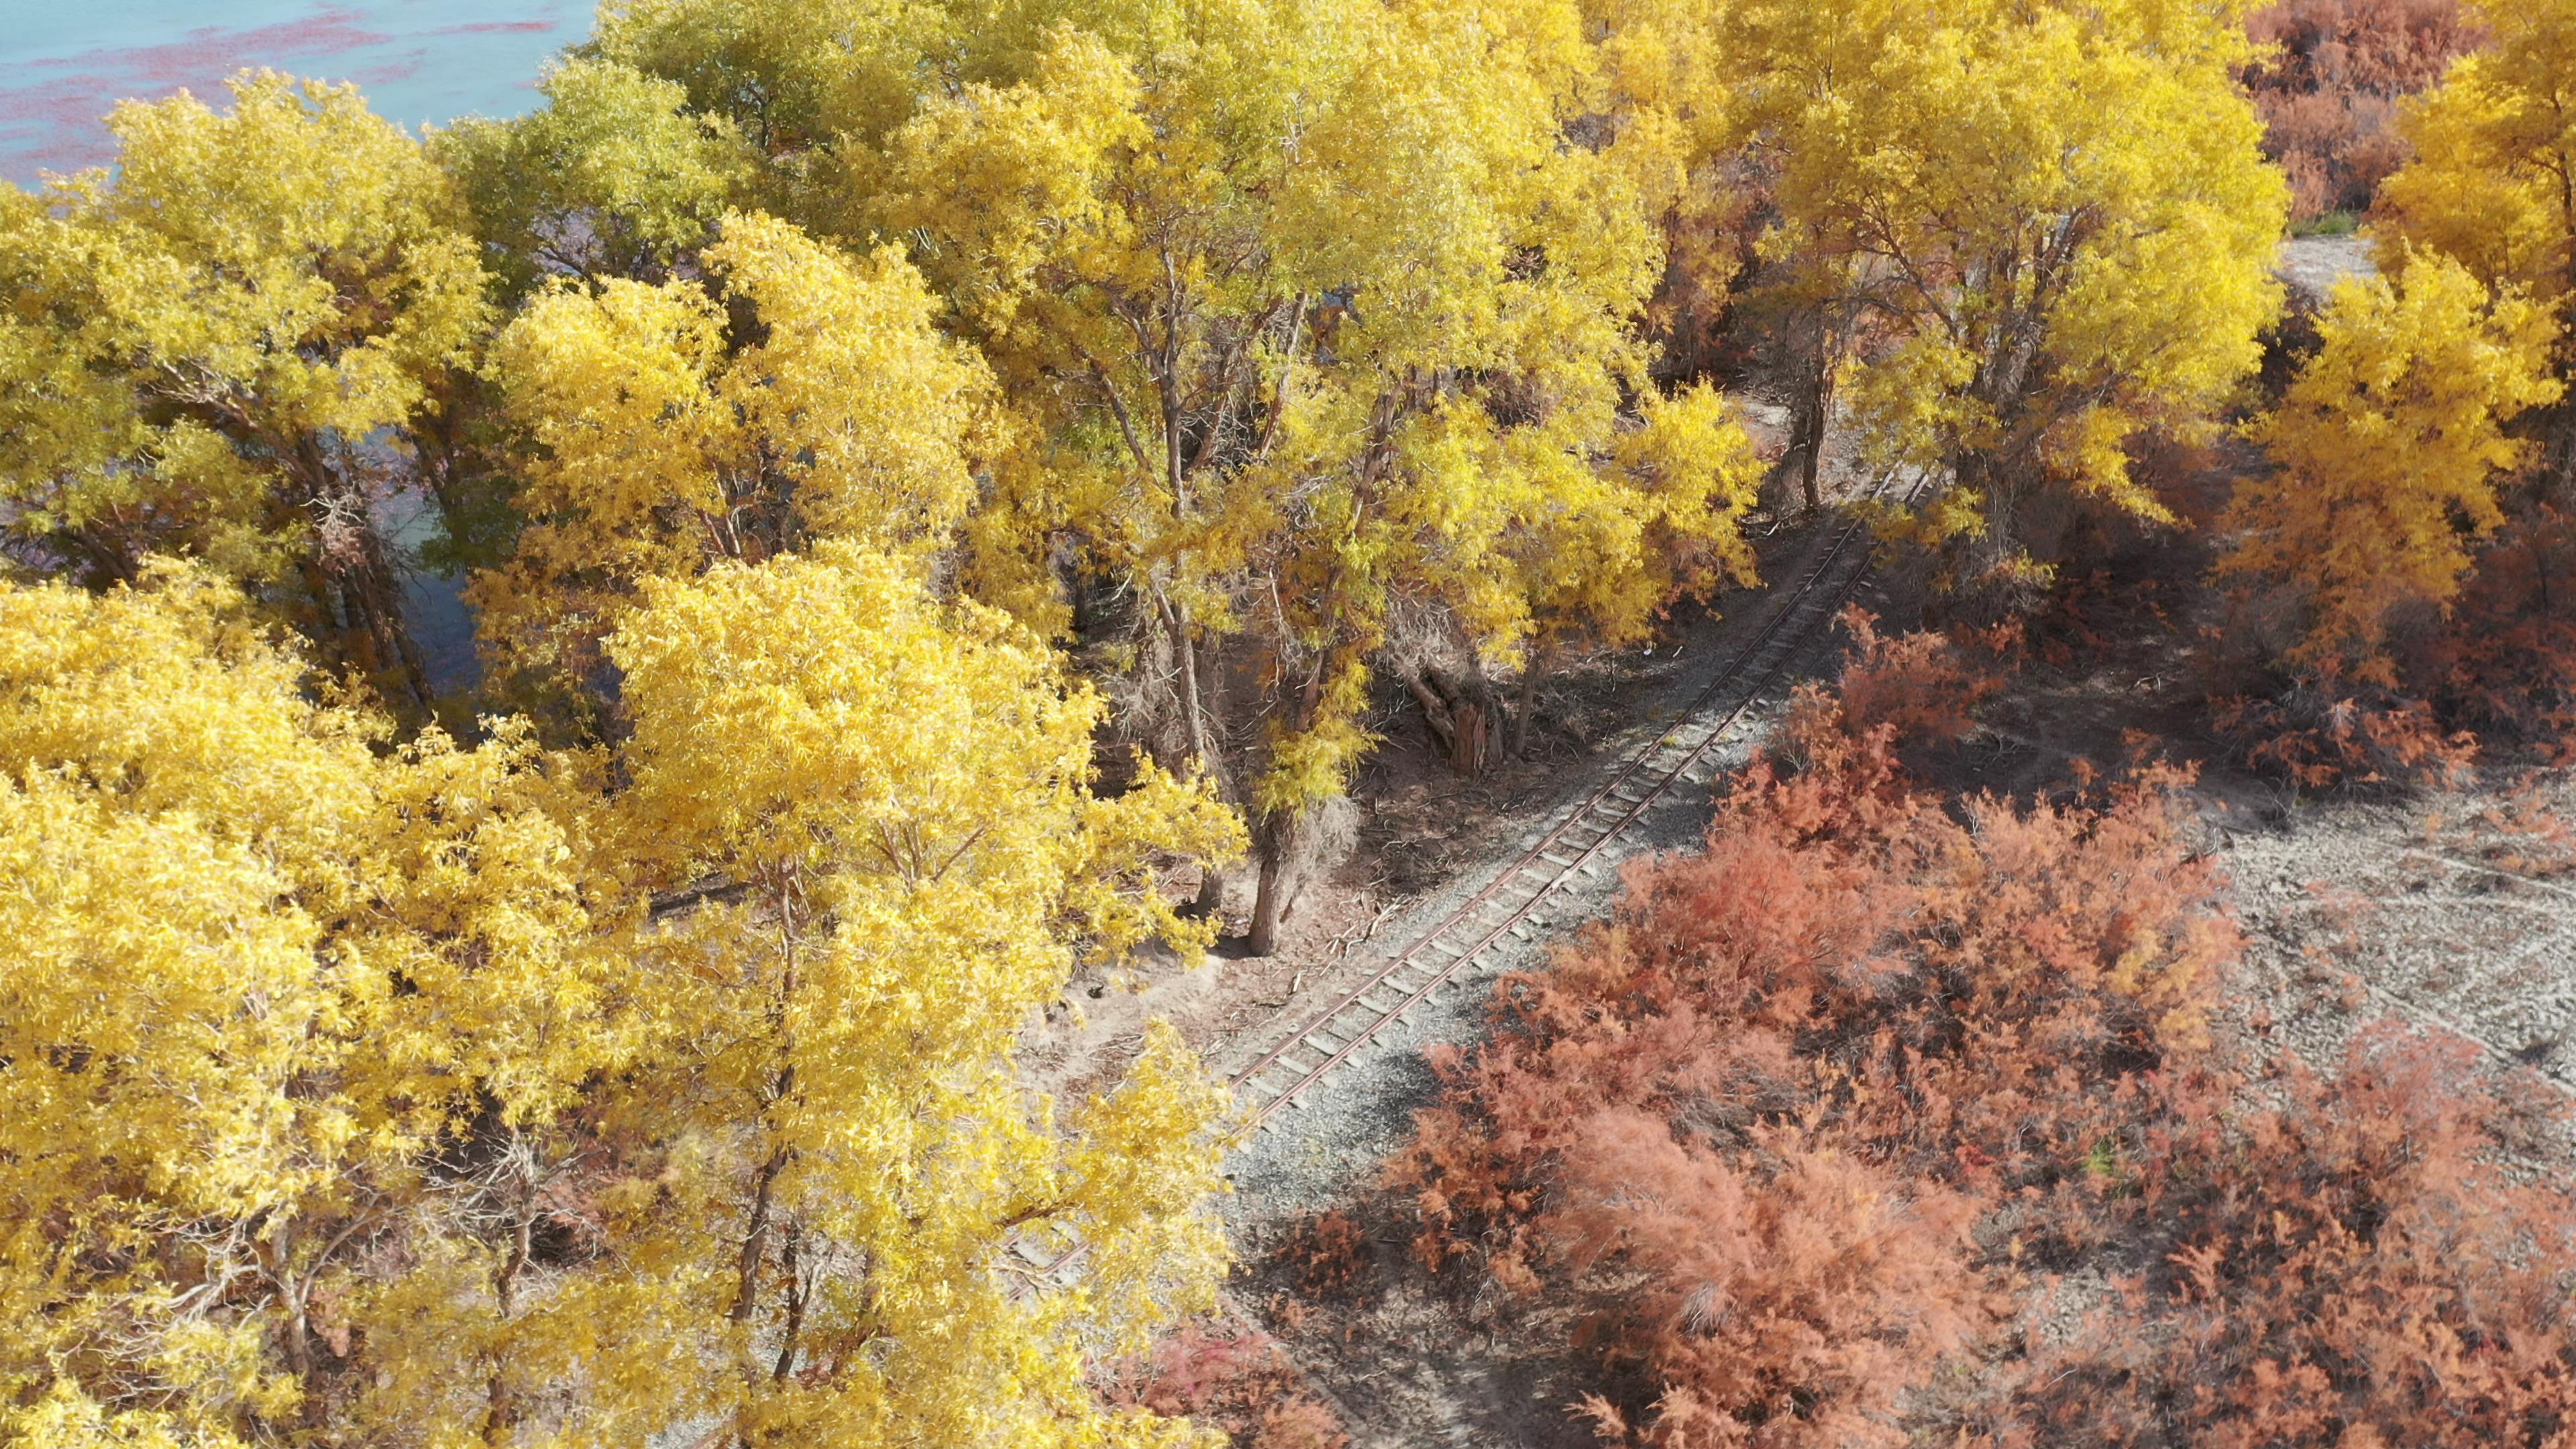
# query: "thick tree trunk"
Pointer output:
{"type": "Point", "coordinates": [1815, 415]}
{"type": "Point", "coordinates": [1465, 718]}
{"type": "Point", "coordinates": [1278, 845]}
{"type": "Point", "coordinates": [357, 605]}
{"type": "Point", "coordinates": [1530, 675]}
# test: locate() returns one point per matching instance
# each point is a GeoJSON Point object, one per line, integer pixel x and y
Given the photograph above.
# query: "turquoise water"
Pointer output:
{"type": "Point", "coordinates": [63, 65]}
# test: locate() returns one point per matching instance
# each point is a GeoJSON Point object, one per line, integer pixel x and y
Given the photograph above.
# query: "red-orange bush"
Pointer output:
{"type": "Point", "coordinates": [2321, 735]}
{"type": "Point", "coordinates": [1327, 1255]}
{"type": "Point", "coordinates": [2328, 94]}
{"type": "Point", "coordinates": [1788, 1292]}
{"type": "Point", "coordinates": [1925, 686]}
{"type": "Point", "coordinates": [2349, 1268]}
{"type": "Point", "coordinates": [2505, 660]}
{"type": "Point", "coordinates": [1844, 1099]}
{"type": "Point", "coordinates": [2497, 668]}
{"type": "Point", "coordinates": [1757, 1115]}
{"type": "Point", "coordinates": [1232, 1378]}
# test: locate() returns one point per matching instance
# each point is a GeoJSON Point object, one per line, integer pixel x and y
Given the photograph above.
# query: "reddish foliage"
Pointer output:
{"type": "Point", "coordinates": [1791, 1293]}
{"type": "Point", "coordinates": [2320, 737]}
{"type": "Point", "coordinates": [1924, 686]}
{"type": "Point", "coordinates": [1232, 1378]}
{"type": "Point", "coordinates": [1840, 1102]}
{"type": "Point", "coordinates": [2328, 95]}
{"type": "Point", "coordinates": [2499, 667]}
{"type": "Point", "coordinates": [1759, 1113]}
{"type": "Point", "coordinates": [2505, 661]}
{"type": "Point", "coordinates": [2537, 839]}
{"type": "Point", "coordinates": [2349, 1268]}
{"type": "Point", "coordinates": [1328, 1255]}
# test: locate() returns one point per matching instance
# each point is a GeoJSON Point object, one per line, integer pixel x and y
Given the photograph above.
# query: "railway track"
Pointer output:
{"type": "Point", "coordinates": [1516, 902]}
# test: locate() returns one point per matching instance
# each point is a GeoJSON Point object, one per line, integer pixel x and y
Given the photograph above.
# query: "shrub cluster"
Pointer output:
{"type": "Point", "coordinates": [2329, 92]}
{"type": "Point", "coordinates": [1231, 1378]}
{"type": "Point", "coordinates": [1883, 1085]}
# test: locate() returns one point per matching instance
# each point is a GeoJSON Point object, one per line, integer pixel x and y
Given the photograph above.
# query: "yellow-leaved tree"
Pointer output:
{"type": "Point", "coordinates": [443, 1095]}
{"type": "Point", "coordinates": [2489, 183]}
{"type": "Point", "coordinates": [1308, 318]}
{"type": "Point", "coordinates": [2052, 223]}
{"type": "Point", "coordinates": [613, 177]}
{"type": "Point", "coordinates": [815, 1243]}
{"type": "Point", "coordinates": [267, 984]}
{"type": "Point", "coordinates": [220, 347]}
{"type": "Point", "coordinates": [2387, 447]}
{"type": "Point", "coordinates": [667, 436]}
{"type": "Point", "coordinates": [1457, 448]}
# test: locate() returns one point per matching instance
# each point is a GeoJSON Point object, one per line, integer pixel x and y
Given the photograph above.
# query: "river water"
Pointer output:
{"type": "Point", "coordinates": [64, 63]}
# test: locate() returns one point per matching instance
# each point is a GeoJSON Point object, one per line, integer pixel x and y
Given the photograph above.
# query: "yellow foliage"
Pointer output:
{"type": "Point", "coordinates": [901, 788]}
{"type": "Point", "coordinates": [369, 1088]}
{"type": "Point", "coordinates": [2052, 222]}
{"type": "Point", "coordinates": [263, 968]}
{"type": "Point", "coordinates": [1304, 313]}
{"type": "Point", "coordinates": [2387, 447]}
{"type": "Point", "coordinates": [365, 1092]}
{"type": "Point", "coordinates": [661, 447]}
{"type": "Point", "coordinates": [2493, 146]}
{"type": "Point", "coordinates": [201, 347]}
{"type": "Point", "coordinates": [613, 177]}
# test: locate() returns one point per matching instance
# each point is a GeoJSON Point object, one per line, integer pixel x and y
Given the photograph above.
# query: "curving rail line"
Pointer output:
{"type": "Point", "coordinates": [1510, 903]}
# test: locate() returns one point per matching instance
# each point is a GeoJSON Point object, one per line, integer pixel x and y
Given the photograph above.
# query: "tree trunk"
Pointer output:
{"type": "Point", "coordinates": [358, 619]}
{"type": "Point", "coordinates": [795, 1327]}
{"type": "Point", "coordinates": [1464, 715]}
{"type": "Point", "coordinates": [1530, 673]}
{"type": "Point", "coordinates": [755, 1237]}
{"type": "Point", "coordinates": [1202, 754]}
{"type": "Point", "coordinates": [1210, 897]}
{"type": "Point", "coordinates": [1270, 900]}
{"type": "Point", "coordinates": [381, 590]}
{"type": "Point", "coordinates": [1814, 416]}
{"type": "Point", "coordinates": [500, 1410]}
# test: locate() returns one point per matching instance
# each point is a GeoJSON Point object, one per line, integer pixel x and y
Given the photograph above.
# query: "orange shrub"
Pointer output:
{"type": "Point", "coordinates": [2320, 737]}
{"type": "Point", "coordinates": [2327, 97]}
{"type": "Point", "coordinates": [1229, 1377]}
{"type": "Point", "coordinates": [1881, 1082]}
{"type": "Point", "coordinates": [2350, 1268]}
{"type": "Point", "coordinates": [1754, 1119]}
{"type": "Point", "coordinates": [2505, 661]}
{"type": "Point", "coordinates": [1923, 685]}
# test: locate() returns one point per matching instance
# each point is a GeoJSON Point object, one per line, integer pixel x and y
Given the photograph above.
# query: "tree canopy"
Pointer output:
{"type": "Point", "coordinates": [935, 486]}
